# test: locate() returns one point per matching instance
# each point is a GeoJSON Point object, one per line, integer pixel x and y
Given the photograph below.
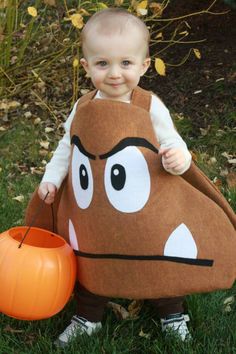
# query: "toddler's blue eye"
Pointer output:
{"type": "Point", "coordinates": [102, 63]}
{"type": "Point", "coordinates": [126, 62]}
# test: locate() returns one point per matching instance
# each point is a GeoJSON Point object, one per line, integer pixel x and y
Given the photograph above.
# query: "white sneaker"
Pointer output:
{"type": "Point", "coordinates": [78, 326]}
{"type": "Point", "coordinates": [176, 324]}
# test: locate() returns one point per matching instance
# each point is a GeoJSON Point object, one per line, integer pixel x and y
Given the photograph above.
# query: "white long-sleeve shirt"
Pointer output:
{"type": "Point", "coordinates": [166, 134]}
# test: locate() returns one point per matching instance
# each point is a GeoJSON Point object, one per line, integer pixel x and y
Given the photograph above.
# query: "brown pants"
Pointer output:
{"type": "Point", "coordinates": [91, 306]}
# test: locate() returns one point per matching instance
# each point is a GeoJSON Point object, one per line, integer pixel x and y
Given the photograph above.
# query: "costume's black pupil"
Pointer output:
{"type": "Point", "coordinates": [83, 175]}
{"type": "Point", "coordinates": [118, 177]}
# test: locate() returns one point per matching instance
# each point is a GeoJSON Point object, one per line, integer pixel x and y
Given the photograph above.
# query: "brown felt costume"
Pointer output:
{"type": "Point", "coordinates": [139, 231]}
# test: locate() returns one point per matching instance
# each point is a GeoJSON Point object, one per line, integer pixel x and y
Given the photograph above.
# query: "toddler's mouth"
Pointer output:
{"type": "Point", "coordinates": [115, 84]}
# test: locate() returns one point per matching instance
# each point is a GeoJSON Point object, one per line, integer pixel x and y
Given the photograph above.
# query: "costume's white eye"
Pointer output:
{"type": "Point", "coordinates": [82, 179]}
{"type": "Point", "coordinates": [127, 180]}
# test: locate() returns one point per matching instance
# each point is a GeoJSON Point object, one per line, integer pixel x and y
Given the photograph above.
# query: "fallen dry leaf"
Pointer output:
{"type": "Point", "coordinates": [84, 91]}
{"type": "Point", "coordinates": [43, 152]}
{"type": "Point", "coordinates": [120, 312]}
{"type": "Point", "coordinates": [37, 121]}
{"type": "Point", "coordinates": [227, 304]}
{"type": "Point", "coordinates": [229, 300]}
{"type": "Point", "coordinates": [28, 114]}
{"type": "Point", "coordinates": [37, 171]}
{"type": "Point", "coordinates": [145, 335]}
{"type": "Point", "coordinates": [5, 105]}
{"type": "Point", "coordinates": [49, 130]}
{"type": "Point", "coordinates": [232, 161]}
{"type": "Point", "coordinates": [8, 328]}
{"type": "Point", "coordinates": [44, 144]}
{"type": "Point", "coordinates": [19, 198]}
{"type": "Point", "coordinates": [224, 172]}
{"type": "Point", "coordinates": [203, 131]}
{"type": "Point", "coordinates": [225, 154]}
{"type": "Point", "coordinates": [135, 307]}
{"type": "Point", "coordinates": [212, 161]}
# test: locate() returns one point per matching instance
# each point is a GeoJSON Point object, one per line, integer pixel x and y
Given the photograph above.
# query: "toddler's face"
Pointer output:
{"type": "Point", "coordinates": [115, 62]}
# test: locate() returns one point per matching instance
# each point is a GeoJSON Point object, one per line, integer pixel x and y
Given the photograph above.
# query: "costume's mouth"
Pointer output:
{"type": "Point", "coordinates": [179, 248]}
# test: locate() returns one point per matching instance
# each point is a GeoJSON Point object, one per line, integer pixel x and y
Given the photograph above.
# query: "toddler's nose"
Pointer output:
{"type": "Point", "coordinates": [114, 72]}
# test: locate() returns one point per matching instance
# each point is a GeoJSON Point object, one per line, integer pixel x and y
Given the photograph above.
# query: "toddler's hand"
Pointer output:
{"type": "Point", "coordinates": [173, 159]}
{"type": "Point", "coordinates": [44, 188]}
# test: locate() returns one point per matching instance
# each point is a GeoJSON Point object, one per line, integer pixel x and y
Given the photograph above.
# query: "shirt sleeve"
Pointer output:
{"type": "Point", "coordinates": [57, 168]}
{"type": "Point", "coordinates": [165, 132]}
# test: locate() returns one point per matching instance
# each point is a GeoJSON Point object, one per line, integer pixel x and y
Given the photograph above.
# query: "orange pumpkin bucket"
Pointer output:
{"type": "Point", "coordinates": [37, 277]}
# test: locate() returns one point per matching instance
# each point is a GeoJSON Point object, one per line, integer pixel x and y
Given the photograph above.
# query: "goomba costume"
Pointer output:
{"type": "Point", "coordinates": [138, 231]}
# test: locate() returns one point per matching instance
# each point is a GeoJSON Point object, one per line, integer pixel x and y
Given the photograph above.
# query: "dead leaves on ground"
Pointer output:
{"type": "Point", "coordinates": [28, 338]}
{"type": "Point", "coordinates": [228, 303]}
{"type": "Point", "coordinates": [19, 198]}
{"type": "Point", "coordinates": [122, 313]}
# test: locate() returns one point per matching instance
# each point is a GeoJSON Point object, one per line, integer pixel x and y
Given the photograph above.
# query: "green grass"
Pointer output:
{"type": "Point", "coordinates": [213, 331]}
{"type": "Point", "coordinates": [18, 152]}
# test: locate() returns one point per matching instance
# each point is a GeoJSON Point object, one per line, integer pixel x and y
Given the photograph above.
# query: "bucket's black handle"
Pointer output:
{"type": "Point", "coordinates": [34, 219]}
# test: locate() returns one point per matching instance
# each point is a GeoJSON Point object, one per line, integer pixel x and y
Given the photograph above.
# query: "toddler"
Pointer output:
{"type": "Point", "coordinates": [115, 49]}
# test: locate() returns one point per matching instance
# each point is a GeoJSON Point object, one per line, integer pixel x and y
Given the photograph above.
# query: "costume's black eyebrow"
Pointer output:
{"type": "Point", "coordinates": [129, 141]}
{"type": "Point", "coordinates": [76, 141]}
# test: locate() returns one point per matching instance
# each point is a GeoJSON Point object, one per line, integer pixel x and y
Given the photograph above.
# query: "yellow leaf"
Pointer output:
{"type": "Point", "coordinates": [160, 66]}
{"type": "Point", "coordinates": [77, 20]}
{"type": "Point", "coordinates": [101, 6]}
{"type": "Point", "coordinates": [32, 11]}
{"type": "Point", "coordinates": [159, 35]}
{"type": "Point", "coordinates": [197, 53]}
{"type": "Point", "coordinates": [141, 8]}
{"type": "Point", "coordinates": [142, 5]}
{"type": "Point", "coordinates": [75, 63]}
{"type": "Point", "coordinates": [19, 198]}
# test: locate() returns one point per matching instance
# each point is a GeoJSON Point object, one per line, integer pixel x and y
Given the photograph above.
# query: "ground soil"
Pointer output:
{"type": "Point", "coordinates": [214, 74]}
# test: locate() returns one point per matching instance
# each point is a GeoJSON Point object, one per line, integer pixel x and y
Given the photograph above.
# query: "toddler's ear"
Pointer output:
{"type": "Point", "coordinates": [146, 64]}
{"type": "Point", "coordinates": [84, 63]}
